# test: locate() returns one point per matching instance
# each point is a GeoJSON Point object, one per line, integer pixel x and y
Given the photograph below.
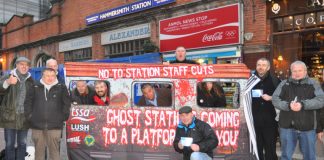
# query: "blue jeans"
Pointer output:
{"type": "Point", "coordinates": [10, 138]}
{"type": "Point", "coordinates": [199, 156]}
{"type": "Point", "coordinates": [307, 142]}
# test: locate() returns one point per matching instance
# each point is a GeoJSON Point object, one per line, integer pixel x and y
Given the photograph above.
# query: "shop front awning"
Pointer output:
{"type": "Point", "coordinates": [209, 53]}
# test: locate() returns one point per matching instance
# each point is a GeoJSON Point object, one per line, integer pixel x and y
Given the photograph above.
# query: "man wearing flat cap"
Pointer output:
{"type": "Point", "coordinates": [12, 117]}
{"type": "Point", "coordinates": [194, 138]}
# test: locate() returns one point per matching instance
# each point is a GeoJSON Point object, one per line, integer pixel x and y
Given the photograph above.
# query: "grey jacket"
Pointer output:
{"type": "Point", "coordinates": [306, 91]}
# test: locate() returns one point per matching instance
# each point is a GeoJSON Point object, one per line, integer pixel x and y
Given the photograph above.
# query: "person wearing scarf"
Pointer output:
{"type": "Point", "coordinates": [12, 117]}
{"type": "Point", "coordinates": [47, 106]}
{"type": "Point", "coordinates": [264, 113]}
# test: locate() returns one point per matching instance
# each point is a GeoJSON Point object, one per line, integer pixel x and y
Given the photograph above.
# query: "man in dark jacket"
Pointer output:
{"type": "Point", "coordinates": [298, 98]}
{"type": "Point", "coordinates": [47, 107]}
{"type": "Point", "coordinates": [194, 138]}
{"type": "Point", "coordinates": [320, 119]}
{"type": "Point", "coordinates": [155, 96]}
{"type": "Point", "coordinates": [82, 94]}
{"type": "Point", "coordinates": [12, 117]}
{"type": "Point", "coordinates": [180, 54]}
{"type": "Point", "coordinates": [263, 111]}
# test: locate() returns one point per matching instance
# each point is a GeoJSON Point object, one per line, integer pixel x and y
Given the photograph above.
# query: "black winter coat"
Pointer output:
{"type": "Point", "coordinates": [47, 112]}
{"type": "Point", "coordinates": [264, 112]}
{"type": "Point", "coordinates": [83, 99]}
{"type": "Point", "coordinates": [212, 100]}
{"type": "Point", "coordinates": [320, 117]}
{"type": "Point", "coordinates": [187, 61]}
{"type": "Point", "coordinates": [202, 134]}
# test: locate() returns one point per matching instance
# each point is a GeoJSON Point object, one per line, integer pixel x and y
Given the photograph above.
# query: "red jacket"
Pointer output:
{"type": "Point", "coordinates": [100, 102]}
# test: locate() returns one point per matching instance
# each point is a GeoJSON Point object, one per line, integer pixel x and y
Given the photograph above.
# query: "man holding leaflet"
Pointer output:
{"type": "Point", "coordinates": [194, 138]}
{"type": "Point", "coordinates": [298, 98]}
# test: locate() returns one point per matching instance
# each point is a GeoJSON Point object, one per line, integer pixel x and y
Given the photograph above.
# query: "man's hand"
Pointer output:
{"type": "Point", "coordinates": [266, 97]}
{"type": "Point", "coordinates": [320, 135]}
{"type": "Point", "coordinates": [195, 147]}
{"type": "Point", "coordinates": [12, 80]}
{"type": "Point", "coordinates": [295, 106]}
{"type": "Point", "coordinates": [180, 145]}
{"type": "Point", "coordinates": [166, 63]}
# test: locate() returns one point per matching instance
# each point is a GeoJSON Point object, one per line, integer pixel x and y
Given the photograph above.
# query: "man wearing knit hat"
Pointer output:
{"type": "Point", "coordinates": [12, 117]}
{"type": "Point", "coordinates": [194, 138]}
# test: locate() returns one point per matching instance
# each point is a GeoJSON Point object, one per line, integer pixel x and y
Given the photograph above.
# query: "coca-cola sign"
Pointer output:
{"type": "Point", "coordinates": [217, 36]}
{"type": "Point", "coordinates": [220, 26]}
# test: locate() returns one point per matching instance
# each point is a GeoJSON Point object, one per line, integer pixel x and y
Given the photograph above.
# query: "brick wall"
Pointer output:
{"type": "Point", "coordinates": [250, 59]}
{"type": "Point", "coordinates": [256, 22]}
{"type": "Point", "coordinates": [98, 51]}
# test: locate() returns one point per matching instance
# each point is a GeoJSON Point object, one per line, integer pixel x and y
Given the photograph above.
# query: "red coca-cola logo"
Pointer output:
{"type": "Point", "coordinates": [214, 37]}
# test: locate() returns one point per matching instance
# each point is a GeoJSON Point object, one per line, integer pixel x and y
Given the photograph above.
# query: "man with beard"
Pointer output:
{"type": "Point", "coordinates": [263, 111]}
{"type": "Point", "coordinates": [101, 98]}
{"type": "Point", "coordinates": [82, 94]}
{"type": "Point", "coordinates": [181, 57]}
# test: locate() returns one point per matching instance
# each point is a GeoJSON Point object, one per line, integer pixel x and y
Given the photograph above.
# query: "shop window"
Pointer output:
{"type": "Point", "coordinates": [154, 94]}
{"type": "Point", "coordinates": [123, 49]}
{"type": "Point", "coordinates": [13, 63]}
{"type": "Point", "coordinates": [310, 20]}
{"type": "Point", "coordinates": [277, 25]}
{"type": "Point", "coordinates": [78, 55]}
{"type": "Point", "coordinates": [299, 22]}
{"type": "Point", "coordinates": [288, 23]}
{"type": "Point", "coordinates": [41, 59]}
{"type": "Point", "coordinates": [320, 18]}
{"type": "Point", "coordinates": [90, 92]}
{"type": "Point", "coordinates": [214, 94]}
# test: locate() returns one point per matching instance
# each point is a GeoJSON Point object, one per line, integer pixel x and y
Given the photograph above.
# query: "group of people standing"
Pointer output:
{"type": "Point", "coordinates": [42, 106]}
{"type": "Point", "coordinates": [292, 109]}
{"type": "Point", "coordinates": [297, 101]}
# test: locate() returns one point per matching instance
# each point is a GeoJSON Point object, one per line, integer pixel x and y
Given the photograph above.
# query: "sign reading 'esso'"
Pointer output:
{"type": "Point", "coordinates": [80, 112]}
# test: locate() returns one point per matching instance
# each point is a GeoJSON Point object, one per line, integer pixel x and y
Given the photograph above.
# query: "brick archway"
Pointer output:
{"type": "Point", "coordinates": [41, 58]}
